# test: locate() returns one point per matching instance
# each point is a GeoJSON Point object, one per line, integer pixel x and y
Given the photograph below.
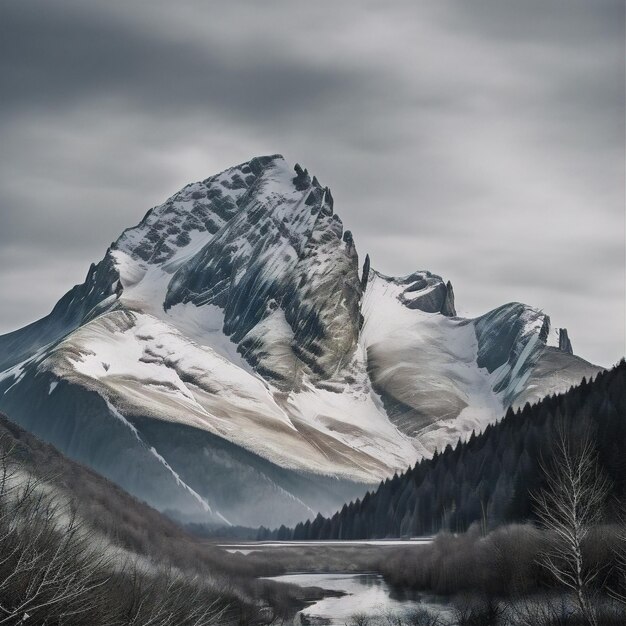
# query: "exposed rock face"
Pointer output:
{"type": "Point", "coordinates": [226, 360]}
{"type": "Point", "coordinates": [366, 273]}
{"type": "Point", "coordinates": [554, 370]}
{"type": "Point", "coordinates": [198, 211]}
{"type": "Point", "coordinates": [510, 340]}
{"type": "Point", "coordinates": [565, 345]}
{"type": "Point", "coordinates": [427, 292]}
{"type": "Point", "coordinates": [447, 308]}
{"type": "Point", "coordinates": [282, 257]}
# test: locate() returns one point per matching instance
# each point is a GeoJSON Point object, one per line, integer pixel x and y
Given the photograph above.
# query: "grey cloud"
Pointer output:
{"type": "Point", "coordinates": [537, 20]}
{"type": "Point", "coordinates": [483, 140]}
{"type": "Point", "coordinates": [50, 57]}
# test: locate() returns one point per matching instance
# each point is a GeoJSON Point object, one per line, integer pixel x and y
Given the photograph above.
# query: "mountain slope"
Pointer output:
{"type": "Point", "coordinates": [229, 361]}
{"type": "Point", "coordinates": [489, 478]}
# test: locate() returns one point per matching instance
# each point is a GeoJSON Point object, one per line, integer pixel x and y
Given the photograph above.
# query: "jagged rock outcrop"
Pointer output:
{"type": "Point", "coordinates": [426, 292]}
{"type": "Point", "coordinates": [447, 308]}
{"type": "Point", "coordinates": [565, 345]}
{"type": "Point", "coordinates": [365, 273]}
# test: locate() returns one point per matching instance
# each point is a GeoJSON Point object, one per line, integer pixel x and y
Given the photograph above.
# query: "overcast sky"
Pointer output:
{"type": "Point", "coordinates": [482, 140]}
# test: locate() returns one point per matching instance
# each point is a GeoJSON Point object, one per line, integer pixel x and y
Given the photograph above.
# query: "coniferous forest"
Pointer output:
{"type": "Point", "coordinates": [490, 479]}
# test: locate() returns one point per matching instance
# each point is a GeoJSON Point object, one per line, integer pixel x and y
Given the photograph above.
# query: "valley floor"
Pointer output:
{"type": "Point", "coordinates": [444, 581]}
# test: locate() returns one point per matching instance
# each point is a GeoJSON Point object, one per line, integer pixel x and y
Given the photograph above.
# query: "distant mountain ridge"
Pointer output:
{"type": "Point", "coordinates": [232, 361]}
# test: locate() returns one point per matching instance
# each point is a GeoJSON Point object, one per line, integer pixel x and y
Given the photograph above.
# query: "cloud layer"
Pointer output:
{"type": "Point", "coordinates": [483, 141]}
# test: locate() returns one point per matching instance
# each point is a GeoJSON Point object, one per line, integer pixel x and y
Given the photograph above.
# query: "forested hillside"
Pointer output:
{"type": "Point", "coordinates": [488, 479]}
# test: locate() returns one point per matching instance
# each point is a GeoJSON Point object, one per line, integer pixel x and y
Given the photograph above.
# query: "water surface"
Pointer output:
{"type": "Point", "coordinates": [365, 593]}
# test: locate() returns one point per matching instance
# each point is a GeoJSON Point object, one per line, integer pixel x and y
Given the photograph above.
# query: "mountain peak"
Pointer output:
{"type": "Point", "coordinates": [202, 207]}
{"type": "Point", "coordinates": [285, 246]}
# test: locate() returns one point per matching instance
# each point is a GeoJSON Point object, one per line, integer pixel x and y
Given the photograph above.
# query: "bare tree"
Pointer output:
{"type": "Point", "coordinates": [421, 616]}
{"type": "Point", "coordinates": [569, 506]}
{"type": "Point", "coordinates": [46, 563]}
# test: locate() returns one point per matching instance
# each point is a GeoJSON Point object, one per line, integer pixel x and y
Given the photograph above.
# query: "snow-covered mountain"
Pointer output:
{"type": "Point", "coordinates": [229, 358]}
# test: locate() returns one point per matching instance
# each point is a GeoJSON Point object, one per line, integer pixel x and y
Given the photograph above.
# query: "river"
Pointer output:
{"type": "Point", "coordinates": [365, 594]}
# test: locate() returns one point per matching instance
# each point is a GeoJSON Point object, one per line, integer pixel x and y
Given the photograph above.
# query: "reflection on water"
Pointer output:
{"type": "Point", "coordinates": [365, 593]}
